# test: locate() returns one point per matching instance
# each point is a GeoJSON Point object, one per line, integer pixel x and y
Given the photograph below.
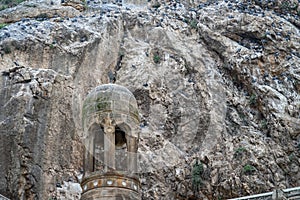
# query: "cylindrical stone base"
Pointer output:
{"type": "Point", "coordinates": [110, 187]}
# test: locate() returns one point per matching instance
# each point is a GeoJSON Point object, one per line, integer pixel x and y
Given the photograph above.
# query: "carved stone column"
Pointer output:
{"type": "Point", "coordinates": [132, 154]}
{"type": "Point", "coordinates": [109, 145]}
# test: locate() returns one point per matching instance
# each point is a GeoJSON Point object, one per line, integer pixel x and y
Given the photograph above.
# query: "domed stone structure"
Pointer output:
{"type": "Point", "coordinates": [111, 131]}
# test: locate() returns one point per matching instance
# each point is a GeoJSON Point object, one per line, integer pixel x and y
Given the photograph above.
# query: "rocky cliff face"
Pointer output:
{"type": "Point", "coordinates": [216, 82]}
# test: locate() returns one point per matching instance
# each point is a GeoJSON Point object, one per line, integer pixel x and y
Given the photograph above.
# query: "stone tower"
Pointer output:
{"type": "Point", "coordinates": [111, 131]}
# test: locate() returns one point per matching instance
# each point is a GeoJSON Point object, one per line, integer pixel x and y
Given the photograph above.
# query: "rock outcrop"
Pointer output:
{"type": "Point", "coordinates": [216, 82]}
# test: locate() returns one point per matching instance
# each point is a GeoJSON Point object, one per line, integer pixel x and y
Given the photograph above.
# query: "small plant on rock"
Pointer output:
{"type": "Point", "coordinates": [249, 169]}
{"type": "Point", "coordinates": [240, 150]}
{"type": "Point", "coordinates": [193, 24]}
{"type": "Point", "coordinates": [156, 5]}
{"type": "Point", "coordinates": [6, 49]}
{"type": "Point", "coordinates": [156, 58]}
{"type": "Point", "coordinates": [121, 53]}
{"type": "Point", "coordinates": [9, 3]}
{"type": "Point", "coordinates": [42, 16]}
{"type": "Point", "coordinates": [253, 99]}
{"type": "Point", "coordinates": [85, 4]}
{"type": "Point", "coordinates": [2, 25]}
{"type": "Point", "coordinates": [264, 124]}
{"type": "Point", "coordinates": [294, 6]}
{"type": "Point", "coordinates": [3, 7]}
{"type": "Point", "coordinates": [292, 157]}
{"type": "Point", "coordinates": [197, 172]}
{"type": "Point", "coordinates": [285, 5]}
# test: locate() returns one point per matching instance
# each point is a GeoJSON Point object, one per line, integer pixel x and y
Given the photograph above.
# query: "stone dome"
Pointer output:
{"type": "Point", "coordinates": [110, 100]}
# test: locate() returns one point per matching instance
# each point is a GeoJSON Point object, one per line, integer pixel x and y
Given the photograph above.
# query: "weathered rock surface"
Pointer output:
{"type": "Point", "coordinates": [37, 10]}
{"type": "Point", "coordinates": [218, 82]}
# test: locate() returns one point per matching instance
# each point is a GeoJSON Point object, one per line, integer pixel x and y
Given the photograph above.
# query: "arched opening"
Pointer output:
{"type": "Point", "coordinates": [94, 149]}
{"type": "Point", "coordinates": [120, 138]}
{"type": "Point", "coordinates": [120, 149]}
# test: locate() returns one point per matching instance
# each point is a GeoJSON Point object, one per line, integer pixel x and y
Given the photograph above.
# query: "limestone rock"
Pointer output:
{"type": "Point", "coordinates": [37, 10]}
{"type": "Point", "coordinates": [77, 4]}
